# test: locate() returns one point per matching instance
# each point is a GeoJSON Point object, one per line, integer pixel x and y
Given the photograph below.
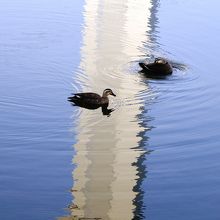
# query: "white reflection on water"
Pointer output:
{"type": "Point", "coordinates": [108, 149]}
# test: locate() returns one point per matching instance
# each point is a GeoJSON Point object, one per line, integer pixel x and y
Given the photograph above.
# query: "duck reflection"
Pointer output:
{"type": "Point", "coordinates": [90, 100]}
{"type": "Point", "coordinates": [106, 111]}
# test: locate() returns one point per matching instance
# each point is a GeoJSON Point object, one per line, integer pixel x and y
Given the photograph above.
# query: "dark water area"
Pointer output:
{"type": "Point", "coordinates": [156, 156]}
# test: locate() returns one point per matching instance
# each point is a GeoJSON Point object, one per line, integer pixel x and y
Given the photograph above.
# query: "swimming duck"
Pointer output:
{"type": "Point", "coordinates": [91, 100]}
{"type": "Point", "coordinates": [159, 68]}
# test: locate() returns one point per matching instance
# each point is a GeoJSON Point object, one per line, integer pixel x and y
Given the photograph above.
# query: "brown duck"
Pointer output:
{"type": "Point", "coordinates": [91, 100]}
{"type": "Point", "coordinates": [158, 69]}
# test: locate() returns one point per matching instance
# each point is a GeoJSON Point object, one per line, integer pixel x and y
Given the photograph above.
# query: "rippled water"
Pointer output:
{"type": "Point", "coordinates": [155, 156]}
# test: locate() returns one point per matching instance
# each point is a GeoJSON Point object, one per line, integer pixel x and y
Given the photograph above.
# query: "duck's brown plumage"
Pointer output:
{"type": "Point", "coordinates": [159, 68]}
{"type": "Point", "coordinates": [91, 100]}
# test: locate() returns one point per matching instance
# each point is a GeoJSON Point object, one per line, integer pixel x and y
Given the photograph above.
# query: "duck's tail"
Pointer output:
{"type": "Point", "coordinates": [73, 98]}
{"type": "Point", "coordinates": [143, 66]}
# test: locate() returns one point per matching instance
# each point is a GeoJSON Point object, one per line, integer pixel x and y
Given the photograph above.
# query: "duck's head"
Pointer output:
{"type": "Point", "coordinates": [160, 61]}
{"type": "Point", "coordinates": [107, 92]}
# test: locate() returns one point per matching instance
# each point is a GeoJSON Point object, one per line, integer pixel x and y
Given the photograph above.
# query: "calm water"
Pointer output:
{"type": "Point", "coordinates": [155, 157]}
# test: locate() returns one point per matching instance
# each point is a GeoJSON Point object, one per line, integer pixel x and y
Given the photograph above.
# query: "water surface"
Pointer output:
{"type": "Point", "coordinates": [155, 156]}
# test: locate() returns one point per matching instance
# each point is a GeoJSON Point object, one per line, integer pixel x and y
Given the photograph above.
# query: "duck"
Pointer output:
{"type": "Point", "coordinates": [91, 100]}
{"type": "Point", "coordinates": [158, 69]}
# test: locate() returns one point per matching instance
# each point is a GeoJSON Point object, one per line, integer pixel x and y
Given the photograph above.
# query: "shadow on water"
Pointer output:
{"type": "Point", "coordinates": [110, 151]}
{"type": "Point", "coordinates": [105, 110]}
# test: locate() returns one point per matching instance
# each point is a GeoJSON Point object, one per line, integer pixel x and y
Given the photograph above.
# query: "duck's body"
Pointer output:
{"type": "Point", "coordinates": [159, 68]}
{"type": "Point", "coordinates": [91, 100]}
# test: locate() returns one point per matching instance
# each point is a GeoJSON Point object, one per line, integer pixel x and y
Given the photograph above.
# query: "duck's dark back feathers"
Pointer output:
{"type": "Point", "coordinates": [88, 100]}
{"type": "Point", "coordinates": [159, 68]}
{"type": "Point", "coordinates": [87, 95]}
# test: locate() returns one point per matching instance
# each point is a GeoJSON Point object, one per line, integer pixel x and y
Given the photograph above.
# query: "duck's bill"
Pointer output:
{"type": "Point", "coordinates": [113, 94]}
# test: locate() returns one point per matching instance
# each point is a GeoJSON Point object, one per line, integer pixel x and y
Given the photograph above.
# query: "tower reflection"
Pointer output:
{"type": "Point", "coordinates": [110, 150]}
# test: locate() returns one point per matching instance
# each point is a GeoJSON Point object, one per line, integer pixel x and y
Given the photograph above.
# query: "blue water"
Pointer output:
{"type": "Point", "coordinates": [40, 44]}
{"type": "Point", "coordinates": [183, 180]}
{"type": "Point", "coordinates": [169, 127]}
